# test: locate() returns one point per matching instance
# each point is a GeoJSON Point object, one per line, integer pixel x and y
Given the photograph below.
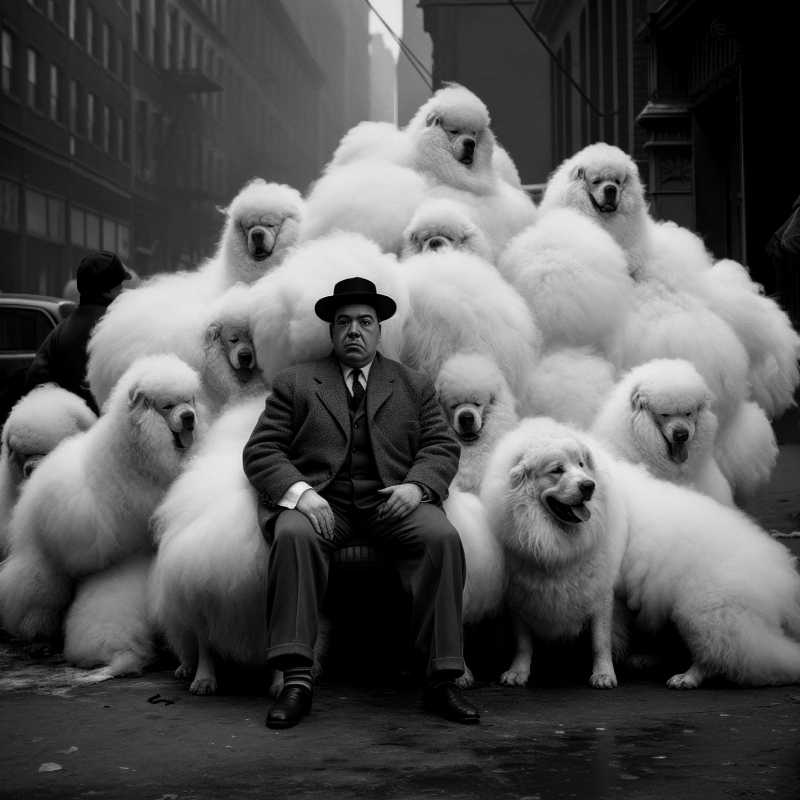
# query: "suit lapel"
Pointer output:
{"type": "Point", "coordinates": [332, 391]}
{"type": "Point", "coordinates": [380, 387]}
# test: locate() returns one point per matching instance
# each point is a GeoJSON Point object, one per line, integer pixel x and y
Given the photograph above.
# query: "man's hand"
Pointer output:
{"type": "Point", "coordinates": [318, 510]}
{"type": "Point", "coordinates": [403, 499]}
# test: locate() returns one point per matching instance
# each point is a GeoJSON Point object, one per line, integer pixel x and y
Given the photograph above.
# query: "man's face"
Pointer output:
{"type": "Point", "coordinates": [355, 333]}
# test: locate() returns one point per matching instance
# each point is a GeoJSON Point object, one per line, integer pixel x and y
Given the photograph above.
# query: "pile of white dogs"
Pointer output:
{"type": "Point", "coordinates": [611, 385]}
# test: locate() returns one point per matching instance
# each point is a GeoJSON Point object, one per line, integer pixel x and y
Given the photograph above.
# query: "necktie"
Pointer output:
{"type": "Point", "coordinates": [358, 389]}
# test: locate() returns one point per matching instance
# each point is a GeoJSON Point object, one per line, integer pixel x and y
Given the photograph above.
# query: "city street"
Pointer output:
{"type": "Point", "coordinates": [149, 738]}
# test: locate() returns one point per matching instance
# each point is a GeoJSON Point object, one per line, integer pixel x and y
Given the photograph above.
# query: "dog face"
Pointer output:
{"type": "Point", "coordinates": [677, 423]}
{"type": "Point", "coordinates": [467, 415]}
{"type": "Point", "coordinates": [260, 233]}
{"type": "Point", "coordinates": [237, 345]}
{"type": "Point", "coordinates": [461, 141]}
{"type": "Point", "coordinates": [559, 478]}
{"type": "Point", "coordinates": [604, 185]}
{"type": "Point", "coordinates": [177, 412]}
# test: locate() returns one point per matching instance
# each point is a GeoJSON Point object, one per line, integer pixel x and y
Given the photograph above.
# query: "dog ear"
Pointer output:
{"type": "Point", "coordinates": [577, 173]}
{"type": "Point", "coordinates": [213, 332]}
{"type": "Point", "coordinates": [588, 458]}
{"type": "Point", "coordinates": [136, 396]}
{"type": "Point", "coordinates": [434, 118]}
{"type": "Point", "coordinates": [518, 475]}
{"type": "Point", "coordinates": [637, 398]}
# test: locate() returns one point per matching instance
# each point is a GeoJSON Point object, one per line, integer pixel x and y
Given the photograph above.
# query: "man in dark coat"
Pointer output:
{"type": "Point", "coordinates": [356, 446]}
{"type": "Point", "coordinates": [62, 357]}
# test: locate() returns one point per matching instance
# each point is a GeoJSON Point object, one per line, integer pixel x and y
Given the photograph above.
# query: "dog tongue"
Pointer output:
{"type": "Point", "coordinates": [678, 452]}
{"type": "Point", "coordinates": [187, 438]}
{"type": "Point", "coordinates": [581, 512]}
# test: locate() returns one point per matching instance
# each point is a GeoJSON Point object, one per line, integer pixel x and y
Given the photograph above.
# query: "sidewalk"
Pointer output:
{"type": "Point", "coordinates": [555, 738]}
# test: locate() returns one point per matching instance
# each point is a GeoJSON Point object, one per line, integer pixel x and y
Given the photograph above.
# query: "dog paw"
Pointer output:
{"type": "Point", "coordinates": [203, 686]}
{"type": "Point", "coordinates": [184, 671]}
{"type": "Point", "coordinates": [96, 676]}
{"type": "Point", "coordinates": [466, 680]}
{"type": "Point", "coordinates": [603, 680]}
{"type": "Point", "coordinates": [514, 678]}
{"type": "Point", "coordinates": [683, 681]}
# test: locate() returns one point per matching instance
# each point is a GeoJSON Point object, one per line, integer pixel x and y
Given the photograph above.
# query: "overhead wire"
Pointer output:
{"type": "Point", "coordinates": [420, 68]}
{"type": "Point", "coordinates": [561, 66]}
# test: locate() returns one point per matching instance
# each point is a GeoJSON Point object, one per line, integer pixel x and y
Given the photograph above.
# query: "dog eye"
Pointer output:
{"type": "Point", "coordinates": [617, 181]}
{"type": "Point", "coordinates": [596, 182]}
{"type": "Point", "coordinates": [559, 470]}
{"type": "Point", "coordinates": [580, 463]}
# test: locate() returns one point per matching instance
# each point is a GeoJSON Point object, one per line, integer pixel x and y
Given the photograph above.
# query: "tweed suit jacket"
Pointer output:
{"type": "Point", "coordinates": [304, 431]}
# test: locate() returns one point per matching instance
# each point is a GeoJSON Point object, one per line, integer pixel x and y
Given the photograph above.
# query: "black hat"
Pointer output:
{"type": "Point", "coordinates": [355, 290]}
{"type": "Point", "coordinates": [99, 272]}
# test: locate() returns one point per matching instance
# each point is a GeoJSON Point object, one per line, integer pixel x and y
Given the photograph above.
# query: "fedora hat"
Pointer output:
{"type": "Point", "coordinates": [351, 291]}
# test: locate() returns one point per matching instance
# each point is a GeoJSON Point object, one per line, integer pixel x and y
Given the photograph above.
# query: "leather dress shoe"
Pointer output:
{"type": "Point", "coordinates": [447, 701]}
{"type": "Point", "coordinates": [292, 704]}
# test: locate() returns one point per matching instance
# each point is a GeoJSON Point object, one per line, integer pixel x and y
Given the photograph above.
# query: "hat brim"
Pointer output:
{"type": "Point", "coordinates": [326, 307]}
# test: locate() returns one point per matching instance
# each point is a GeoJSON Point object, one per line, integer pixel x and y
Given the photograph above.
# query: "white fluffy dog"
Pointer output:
{"type": "Point", "coordinates": [552, 502]}
{"type": "Point", "coordinates": [480, 408]}
{"type": "Point", "coordinates": [170, 313]}
{"type": "Point", "coordinates": [109, 625]}
{"type": "Point", "coordinates": [208, 584]}
{"type": "Point", "coordinates": [37, 423]}
{"type": "Point", "coordinates": [88, 504]}
{"type": "Point", "coordinates": [440, 225]}
{"type": "Point", "coordinates": [574, 277]}
{"type": "Point", "coordinates": [459, 303]}
{"type": "Point", "coordinates": [378, 175]}
{"type": "Point", "coordinates": [661, 414]}
{"type": "Point", "coordinates": [731, 590]}
{"type": "Point", "coordinates": [286, 330]}
{"type": "Point", "coordinates": [602, 183]}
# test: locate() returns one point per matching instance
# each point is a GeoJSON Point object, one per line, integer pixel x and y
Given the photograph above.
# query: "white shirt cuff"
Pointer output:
{"type": "Point", "coordinates": [293, 494]}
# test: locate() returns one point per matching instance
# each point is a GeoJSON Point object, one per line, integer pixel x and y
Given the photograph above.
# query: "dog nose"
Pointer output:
{"type": "Point", "coordinates": [245, 358]}
{"type": "Point", "coordinates": [187, 420]}
{"type": "Point", "coordinates": [587, 488]}
{"type": "Point", "coordinates": [680, 435]}
{"type": "Point", "coordinates": [257, 237]}
{"type": "Point", "coordinates": [610, 192]}
{"type": "Point", "coordinates": [469, 145]}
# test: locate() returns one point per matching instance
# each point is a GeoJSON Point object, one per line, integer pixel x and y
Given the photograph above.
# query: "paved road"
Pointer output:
{"type": "Point", "coordinates": [368, 739]}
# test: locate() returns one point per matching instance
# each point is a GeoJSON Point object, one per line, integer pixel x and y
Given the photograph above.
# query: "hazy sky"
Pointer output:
{"type": "Point", "coordinates": [392, 12]}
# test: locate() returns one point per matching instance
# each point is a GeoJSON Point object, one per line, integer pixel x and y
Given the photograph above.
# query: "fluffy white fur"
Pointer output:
{"type": "Point", "coordinates": [731, 590]}
{"type": "Point", "coordinates": [208, 584]}
{"type": "Point", "coordinates": [573, 276]}
{"type": "Point", "coordinates": [562, 560]}
{"type": "Point", "coordinates": [108, 624]}
{"type": "Point", "coordinates": [286, 330]}
{"type": "Point", "coordinates": [441, 225]}
{"type": "Point", "coordinates": [379, 176]}
{"type": "Point", "coordinates": [568, 384]}
{"type": "Point", "coordinates": [661, 414]}
{"type": "Point", "coordinates": [170, 313]}
{"type": "Point", "coordinates": [485, 585]}
{"type": "Point", "coordinates": [602, 183]}
{"type": "Point", "coordinates": [88, 504]}
{"type": "Point", "coordinates": [459, 303]}
{"type": "Point", "coordinates": [37, 423]}
{"type": "Point", "coordinates": [763, 327]}
{"type": "Point", "coordinates": [480, 408]}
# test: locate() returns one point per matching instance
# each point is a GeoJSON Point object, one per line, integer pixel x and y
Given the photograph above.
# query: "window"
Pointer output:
{"type": "Point", "coordinates": [122, 139]}
{"type": "Point", "coordinates": [9, 62]}
{"type": "Point", "coordinates": [91, 32]}
{"type": "Point", "coordinates": [55, 12]}
{"type": "Point", "coordinates": [106, 46]}
{"type": "Point", "coordinates": [56, 94]}
{"type": "Point", "coordinates": [141, 131]}
{"type": "Point", "coordinates": [23, 329]}
{"type": "Point", "coordinates": [77, 226]}
{"type": "Point", "coordinates": [173, 45]}
{"type": "Point", "coordinates": [186, 48]}
{"type": "Point", "coordinates": [33, 78]}
{"type": "Point", "coordinates": [72, 22]}
{"type": "Point", "coordinates": [9, 205]}
{"type": "Point", "coordinates": [107, 129]}
{"type": "Point", "coordinates": [120, 59]}
{"type": "Point", "coordinates": [90, 117]}
{"type": "Point", "coordinates": [123, 242]}
{"type": "Point", "coordinates": [109, 235]}
{"type": "Point", "coordinates": [44, 216]}
{"type": "Point", "coordinates": [92, 232]}
{"type": "Point", "coordinates": [139, 39]}
{"type": "Point", "coordinates": [74, 106]}
{"type": "Point", "coordinates": [157, 13]}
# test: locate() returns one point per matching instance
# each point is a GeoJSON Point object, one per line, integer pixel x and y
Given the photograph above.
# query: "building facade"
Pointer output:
{"type": "Point", "coordinates": [127, 124]}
